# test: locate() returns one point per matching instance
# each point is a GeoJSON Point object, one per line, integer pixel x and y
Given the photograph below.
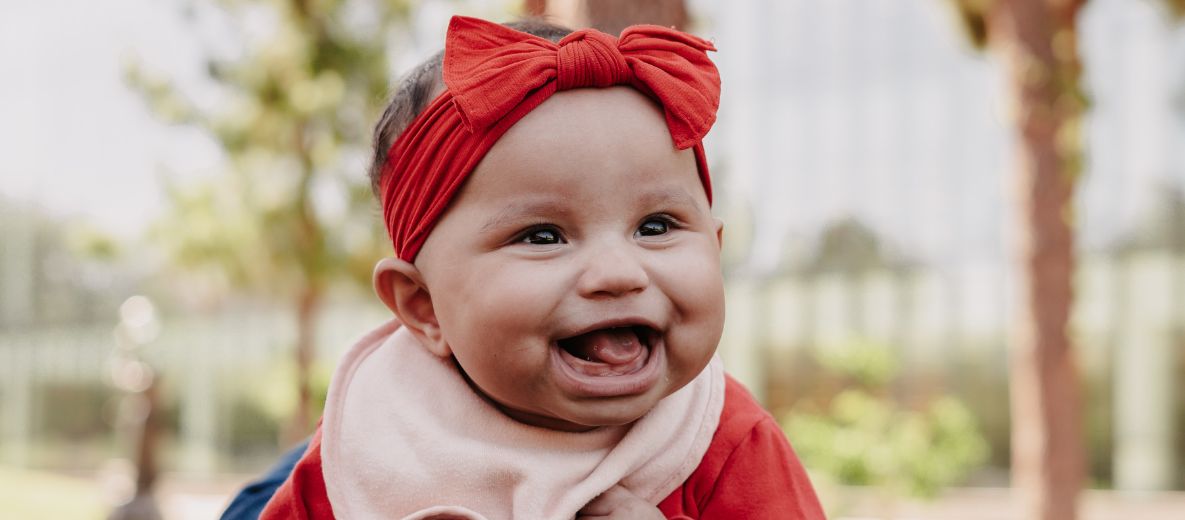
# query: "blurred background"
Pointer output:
{"type": "Point", "coordinates": [187, 233]}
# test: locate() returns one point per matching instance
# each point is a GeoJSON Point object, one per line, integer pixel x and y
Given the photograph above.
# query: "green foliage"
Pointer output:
{"type": "Point", "coordinates": [261, 400]}
{"type": "Point", "coordinates": [268, 393]}
{"type": "Point", "coordinates": [294, 123]}
{"type": "Point", "coordinates": [291, 215]}
{"type": "Point", "coordinates": [65, 271]}
{"type": "Point", "coordinates": [867, 363]}
{"type": "Point", "coordinates": [862, 437]}
{"type": "Point", "coordinates": [88, 242]}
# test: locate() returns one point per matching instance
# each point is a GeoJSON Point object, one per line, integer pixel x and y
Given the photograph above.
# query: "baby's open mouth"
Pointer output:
{"type": "Point", "coordinates": [610, 351]}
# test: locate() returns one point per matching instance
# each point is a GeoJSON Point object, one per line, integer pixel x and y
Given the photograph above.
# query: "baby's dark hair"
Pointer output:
{"type": "Point", "coordinates": [412, 95]}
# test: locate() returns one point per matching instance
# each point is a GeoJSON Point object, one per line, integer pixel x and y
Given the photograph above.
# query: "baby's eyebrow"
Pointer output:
{"type": "Point", "coordinates": [669, 196]}
{"type": "Point", "coordinates": [519, 210]}
{"type": "Point", "coordinates": [673, 196]}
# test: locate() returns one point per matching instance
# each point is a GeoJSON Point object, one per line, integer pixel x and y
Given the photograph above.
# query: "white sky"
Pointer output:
{"type": "Point", "coordinates": [74, 137]}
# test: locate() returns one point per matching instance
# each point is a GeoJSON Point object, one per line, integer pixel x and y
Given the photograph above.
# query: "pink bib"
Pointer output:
{"type": "Point", "coordinates": [404, 436]}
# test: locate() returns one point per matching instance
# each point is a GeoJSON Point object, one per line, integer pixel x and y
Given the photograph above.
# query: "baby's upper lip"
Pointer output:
{"type": "Point", "coordinates": [622, 321]}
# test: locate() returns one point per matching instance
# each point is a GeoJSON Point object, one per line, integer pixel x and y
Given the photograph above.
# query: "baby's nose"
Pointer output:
{"type": "Point", "coordinates": [612, 271]}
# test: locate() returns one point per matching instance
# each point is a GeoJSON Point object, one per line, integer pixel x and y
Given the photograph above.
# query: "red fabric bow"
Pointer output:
{"type": "Point", "coordinates": [491, 68]}
{"type": "Point", "coordinates": [496, 75]}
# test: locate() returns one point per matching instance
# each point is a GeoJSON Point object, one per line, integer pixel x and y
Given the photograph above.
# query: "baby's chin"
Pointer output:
{"type": "Point", "coordinates": [581, 422]}
{"type": "Point", "coordinates": [586, 416]}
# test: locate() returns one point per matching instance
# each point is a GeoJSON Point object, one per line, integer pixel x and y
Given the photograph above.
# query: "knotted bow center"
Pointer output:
{"type": "Point", "coordinates": [590, 58]}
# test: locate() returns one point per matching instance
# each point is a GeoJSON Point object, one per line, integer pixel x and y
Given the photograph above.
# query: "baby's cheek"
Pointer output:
{"type": "Point", "coordinates": [696, 283]}
{"type": "Point", "coordinates": [510, 300]}
{"type": "Point", "coordinates": [697, 292]}
{"type": "Point", "coordinates": [703, 310]}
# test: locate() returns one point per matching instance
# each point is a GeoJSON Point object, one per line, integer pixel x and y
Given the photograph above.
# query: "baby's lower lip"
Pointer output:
{"type": "Point", "coordinates": [579, 382]}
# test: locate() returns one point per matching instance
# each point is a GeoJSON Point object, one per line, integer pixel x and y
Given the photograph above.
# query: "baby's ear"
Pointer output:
{"type": "Point", "coordinates": [401, 287]}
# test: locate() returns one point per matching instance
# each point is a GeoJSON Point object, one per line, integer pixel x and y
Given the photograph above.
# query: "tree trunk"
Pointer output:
{"type": "Point", "coordinates": [310, 247]}
{"type": "Point", "coordinates": [146, 446]}
{"type": "Point", "coordinates": [307, 306]}
{"type": "Point", "coordinates": [142, 505]}
{"type": "Point", "coordinates": [611, 16]}
{"type": "Point", "coordinates": [535, 7]}
{"type": "Point", "coordinates": [1037, 44]}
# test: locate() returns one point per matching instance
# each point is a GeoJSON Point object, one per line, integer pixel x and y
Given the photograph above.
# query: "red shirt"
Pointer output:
{"type": "Point", "coordinates": [748, 472]}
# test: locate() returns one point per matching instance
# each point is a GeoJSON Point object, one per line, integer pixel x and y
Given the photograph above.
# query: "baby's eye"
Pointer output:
{"type": "Point", "coordinates": [541, 237]}
{"type": "Point", "coordinates": [654, 226]}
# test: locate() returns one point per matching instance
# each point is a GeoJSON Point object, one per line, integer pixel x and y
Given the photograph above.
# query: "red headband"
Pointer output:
{"type": "Point", "coordinates": [496, 75]}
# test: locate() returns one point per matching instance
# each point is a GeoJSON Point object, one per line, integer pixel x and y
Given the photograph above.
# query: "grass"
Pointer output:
{"type": "Point", "coordinates": [33, 495]}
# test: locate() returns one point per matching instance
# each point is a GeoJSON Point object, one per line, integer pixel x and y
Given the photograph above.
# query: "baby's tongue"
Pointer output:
{"type": "Point", "coordinates": [610, 346]}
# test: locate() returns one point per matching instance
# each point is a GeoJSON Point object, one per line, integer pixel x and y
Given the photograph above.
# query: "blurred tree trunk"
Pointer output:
{"type": "Point", "coordinates": [1036, 41]}
{"type": "Point", "coordinates": [310, 244]}
{"type": "Point", "coordinates": [307, 309]}
{"type": "Point", "coordinates": [290, 127]}
{"type": "Point", "coordinates": [147, 444]}
{"type": "Point", "coordinates": [611, 16]}
{"type": "Point", "coordinates": [143, 505]}
{"type": "Point", "coordinates": [535, 7]}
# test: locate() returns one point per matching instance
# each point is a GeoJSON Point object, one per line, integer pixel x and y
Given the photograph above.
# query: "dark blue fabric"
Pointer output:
{"type": "Point", "coordinates": [250, 501]}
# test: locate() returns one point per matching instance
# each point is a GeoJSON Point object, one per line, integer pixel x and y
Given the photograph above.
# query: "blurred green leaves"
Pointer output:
{"type": "Point", "coordinates": [270, 393]}
{"type": "Point", "coordinates": [290, 216]}
{"type": "Point", "coordinates": [294, 119]}
{"type": "Point", "coordinates": [862, 436]}
{"type": "Point", "coordinates": [866, 363]}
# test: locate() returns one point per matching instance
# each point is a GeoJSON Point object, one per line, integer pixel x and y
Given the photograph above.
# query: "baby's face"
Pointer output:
{"type": "Point", "coordinates": [576, 278]}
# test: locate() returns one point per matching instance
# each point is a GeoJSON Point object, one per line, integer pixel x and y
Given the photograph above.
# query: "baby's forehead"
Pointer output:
{"type": "Point", "coordinates": [611, 124]}
{"type": "Point", "coordinates": [585, 145]}
{"type": "Point", "coordinates": [597, 109]}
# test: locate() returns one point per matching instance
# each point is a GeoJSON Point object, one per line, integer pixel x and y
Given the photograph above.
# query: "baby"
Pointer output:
{"type": "Point", "coordinates": [557, 298]}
